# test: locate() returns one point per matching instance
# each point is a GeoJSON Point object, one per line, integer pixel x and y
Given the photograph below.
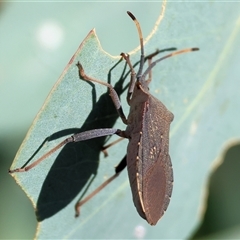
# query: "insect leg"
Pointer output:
{"type": "Point", "coordinates": [133, 73]}
{"type": "Point", "coordinates": [150, 72]}
{"type": "Point", "coordinates": [167, 56]}
{"type": "Point", "coordinates": [104, 149]}
{"type": "Point", "coordinates": [132, 79]}
{"type": "Point", "coordinates": [113, 93]}
{"type": "Point", "coordinates": [118, 170]}
{"type": "Point", "coordinates": [149, 59]}
{"type": "Point", "coordinates": [74, 138]}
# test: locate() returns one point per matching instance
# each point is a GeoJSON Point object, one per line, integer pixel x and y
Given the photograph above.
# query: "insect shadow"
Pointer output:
{"type": "Point", "coordinates": [76, 165]}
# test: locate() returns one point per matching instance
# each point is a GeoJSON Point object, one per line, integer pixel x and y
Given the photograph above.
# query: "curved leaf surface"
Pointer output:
{"type": "Point", "coordinates": [201, 89]}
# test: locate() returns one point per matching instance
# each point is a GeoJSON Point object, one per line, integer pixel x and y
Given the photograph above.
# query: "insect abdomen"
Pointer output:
{"type": "Point", "coordinates": [157, 189]}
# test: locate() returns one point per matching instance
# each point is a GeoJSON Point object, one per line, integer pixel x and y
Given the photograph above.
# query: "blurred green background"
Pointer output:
{"type": "Point", "coordinates": [29, 67]}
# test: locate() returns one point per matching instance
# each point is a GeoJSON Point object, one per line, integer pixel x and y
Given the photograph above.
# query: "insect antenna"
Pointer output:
{"type": "Point", "coordinates": [141, 44]}
{"type": "Point", "coordinates": [167, 56]}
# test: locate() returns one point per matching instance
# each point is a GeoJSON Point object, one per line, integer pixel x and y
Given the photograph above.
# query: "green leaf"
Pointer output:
{"type": "Point", "coordinates": [200, 88]}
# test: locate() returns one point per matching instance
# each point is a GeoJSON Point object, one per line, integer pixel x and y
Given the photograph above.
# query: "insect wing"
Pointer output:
{"type": "Point", "coordinates": [157, 175]}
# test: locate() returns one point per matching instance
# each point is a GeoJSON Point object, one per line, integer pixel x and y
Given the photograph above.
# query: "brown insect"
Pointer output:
{"type": "Point", "coordinates": [148, 123]}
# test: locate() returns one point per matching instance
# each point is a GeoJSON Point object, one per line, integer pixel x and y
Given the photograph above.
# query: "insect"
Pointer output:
{"type": "Point", "coordinates": [148, 123]}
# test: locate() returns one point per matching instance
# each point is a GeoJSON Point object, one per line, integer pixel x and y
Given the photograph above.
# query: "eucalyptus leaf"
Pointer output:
{"type": "Point", "coordinates": [200, 88]}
